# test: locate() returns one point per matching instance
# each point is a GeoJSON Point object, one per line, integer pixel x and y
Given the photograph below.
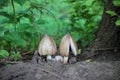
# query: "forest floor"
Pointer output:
{"type": "Point", "coordinates": [52, 70]}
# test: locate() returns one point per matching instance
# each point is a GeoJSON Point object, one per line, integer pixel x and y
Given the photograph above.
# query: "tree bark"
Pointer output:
{"type": "Point", "coordinates": [108, 35]}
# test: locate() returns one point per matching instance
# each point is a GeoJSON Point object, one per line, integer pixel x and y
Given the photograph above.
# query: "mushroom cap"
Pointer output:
{"type": "Point", "coordinates": [68, 42]}
{"type": "Point", "coordinates": [47, 46]}
{"type": "Point", "coordinates": [64, 45]}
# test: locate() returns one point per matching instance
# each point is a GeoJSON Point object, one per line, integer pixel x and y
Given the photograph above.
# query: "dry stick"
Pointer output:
{"type": "Point", "coordinates": [51, 73]}
{"type": "Point", "coordinates": [13, 62]}
{"type": "Point", "coordinates": [6, 59]}
{"type": "Point", "coordinates": [102, 49]}
{"type": "Point", "coordinates": [26, 53]}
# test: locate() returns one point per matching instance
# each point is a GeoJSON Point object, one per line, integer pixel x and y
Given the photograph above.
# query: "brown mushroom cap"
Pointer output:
{"type": "Point", "coordinates": [47, 46]}
{"type": "Point", "coordinates": [64, 45]}
{"type": "Point", "coordinates": [67, 42]}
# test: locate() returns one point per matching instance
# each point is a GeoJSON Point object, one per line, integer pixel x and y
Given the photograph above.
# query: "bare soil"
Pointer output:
{"type": "Point", "coordinates": [58, 71]}
{"type": "Point", "coordinates": [52, 70]}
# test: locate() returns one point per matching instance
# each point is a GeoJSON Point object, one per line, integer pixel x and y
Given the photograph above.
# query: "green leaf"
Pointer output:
{"type": "Point", "coordinates": [41, 21]}
{"type": "Point", "coordinates": [3, 19]}
{"type": "Point", "coordinates": [4, 54]}
{"type": "Point", "coordinates": [79, 51]}
{"type": "Point", "coordinates": [23, 27]}
{"type": "Point", "coordinates": [116, 3]}
{"type": "Point", "coordinates": [75, 35]}
{"type": "Point", "coordinates": [21, 42]}
{"type": "Point", "coordinates": [112, 13]}
{"type": "Point", "coordinates": [117, 23]}
{"type": "Point", "coordinates": [89, 2]}
{"type": "Point", "coordinates": [2, 31]}
{"type": "Point", "coordinates": [16, 56]}
{"type": "Point", "coordinates": [21, 2]}
{"type": "Point", "coordinates": [88, 60]}
{"type": "Point", "coordinates": [36, 3]}
{"type": "Point", "coordinates": [25, 20]}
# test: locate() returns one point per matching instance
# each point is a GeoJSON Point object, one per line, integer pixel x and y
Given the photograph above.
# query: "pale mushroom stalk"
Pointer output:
{"type": "Point", "coordinates": [49, 57]}
{"type": "Point", "coordinates": [65, 59]}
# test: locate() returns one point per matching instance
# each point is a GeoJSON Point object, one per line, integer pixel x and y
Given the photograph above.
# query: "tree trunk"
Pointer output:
{"type": "Point", "coordinates": [108, 35]}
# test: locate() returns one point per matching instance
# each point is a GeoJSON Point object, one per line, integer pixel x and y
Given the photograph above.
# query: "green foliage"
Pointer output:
{"type": "Point", "coordinates": [117, 22]}
{"type": "Point", "coordinates": [24, 22]}
{"type": "Point", "coordinates": [79, 51]}
{"type": "Point", "coordinates": [116, 2]}
{"type": "Point", "coordinates": [84, 19]}
{"type": "Point", "coordinates": [4, 54]}
{"type": "Point", "coordinates": [112, 13]}
{"type": "Point", "coordinates": [88, 60]}
{"type": "Point", "coordinates": [21, 2]}
{"type": "Point", "coordinates": [16, 56]}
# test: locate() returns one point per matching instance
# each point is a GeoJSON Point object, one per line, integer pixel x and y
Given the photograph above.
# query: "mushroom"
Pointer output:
{"type": "Point", "coordinates": [58, 58]}
{"type": "Point", "coordinates": [67, 42]}
{"type": "Point", "coordinates": [47, 47]}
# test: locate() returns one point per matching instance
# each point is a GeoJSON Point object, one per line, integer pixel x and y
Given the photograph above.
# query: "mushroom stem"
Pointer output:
{"type": "Point", "coordinates": [65, 59]}
{"type": "Point", "coordinates": [49, 57]}
{"type": "Point", "coordinates": [58, 58]}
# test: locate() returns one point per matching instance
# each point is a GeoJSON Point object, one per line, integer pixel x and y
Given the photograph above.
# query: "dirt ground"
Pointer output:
{"type": "Point", "coordinates": [52, 70]}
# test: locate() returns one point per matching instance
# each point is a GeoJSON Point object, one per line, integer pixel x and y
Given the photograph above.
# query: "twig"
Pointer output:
{"type": "Point", "coordinates": [13, 62]}
{"type": "Point", "coordinates": [102, 49]}
{"type": "Point", "coordinates": [15, 20]}
{"type": "Point", "coordinates": [14, 10]}
{"type": "Point", "coordinates": [91, 51]}
{"type": "Point", "coordinates": [27, 53]}
{"type": "Point", "coordinates": [51, 73]}
{"type": "Point", "coordinates": [7, 59]}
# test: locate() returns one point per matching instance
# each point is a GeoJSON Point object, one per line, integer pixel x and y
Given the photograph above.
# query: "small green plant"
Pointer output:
{"type": "Point", "coordinates": [113, 13]}
{"type": "Point", "coordinates": [3, 54]}
{"type": "Point", "coordinates": [88, 60]}
{"type": "Point", "coordinates": [79, 51]}
{"type": "Point", "coordinates": [16, 56]}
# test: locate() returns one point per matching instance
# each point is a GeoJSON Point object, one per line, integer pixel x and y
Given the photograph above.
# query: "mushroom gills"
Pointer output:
{"type": "Point", "coordinates": [73, 47]}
